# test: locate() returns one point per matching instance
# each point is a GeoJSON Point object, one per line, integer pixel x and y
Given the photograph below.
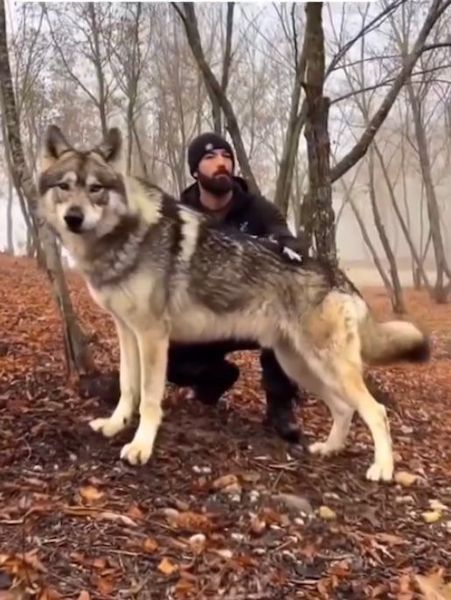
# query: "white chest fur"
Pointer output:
{"type": "Point", "coordinates": [134, 300]}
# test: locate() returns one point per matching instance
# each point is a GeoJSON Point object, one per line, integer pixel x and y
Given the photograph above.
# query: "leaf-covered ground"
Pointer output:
{"type": "Point", "coordinates": [224, 509]}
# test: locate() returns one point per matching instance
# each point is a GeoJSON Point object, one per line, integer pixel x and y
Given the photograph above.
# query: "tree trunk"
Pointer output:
{"type": "Point", "coordinates": [142, 171]}
{"type": "Point", "coordinates": [366, 237]}
{"type": "Point", "coordinates": [317, 136]}
{"type": "Point", "coordinates": [291, 143]}
{"type": "Point", "coordinates": [402, 223]}
{"type": "Point", "coordinates": [397, 298]}
{"type": "Point", "coordinates": [215, 109]}
{"type": "Point", "coordinates": [98, 68]}
{"type": "Point", "coordinates": [371, 248]}
{"type": "Point", "coordinates": [414, 265]}
{"type": "Point", "coordinates": [31, 227]}
{"type": "Point", "coordinates": [30, 246]}
{"type": "Point", "coordinates": [441, 291]}
{"type": "Point", "coordinates": [77, 359]}
{"type": "Point", "coordinates": [296, 194]}
{"type": "Point", "coordinates": [133, 86]}
{"type": "Point", "coordinates": [9, 217]}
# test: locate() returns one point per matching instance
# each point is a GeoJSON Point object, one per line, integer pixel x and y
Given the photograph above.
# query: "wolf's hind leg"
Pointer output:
{"type": "Point", "coordinates": [345, 392]}
{"type": "Point", "coordinates": [297, 368]}
{"type": "Point", "coordinates": [355, 392]}
{"type": "Point", "coordinates": [337, 379]}
{"type": "Point", "coordinates": [153, 344]}
{"type": "Point", "coordinates": [129, 382]}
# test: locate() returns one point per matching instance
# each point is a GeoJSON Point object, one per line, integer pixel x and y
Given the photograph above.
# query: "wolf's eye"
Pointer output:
{"type": "Point", "coordinates": [95, 188]}
{"type": "Point", "coordinates": [63, 185]}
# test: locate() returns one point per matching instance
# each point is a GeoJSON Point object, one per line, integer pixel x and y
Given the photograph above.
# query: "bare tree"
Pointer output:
{"type": "Point", "coordinates": [74, 343]}
{"type": "Point", "coordinates": [319, 219]}
{"type": "Point", "coordinates": [166, 82]}
{"type": "Point", "coordinates": [127, 56]}
{"type": "Point", "coordinates": [295, 122]}
{"type": "Point", "coordinates": [416, 92]}
{"type": "Point", "coordinates": [364, 105]}
{"type": "Point", "coordinates": [188, 16]}
{"type": "Point", "coordinates": [176, 100]}
{"type": "Point", "coordinates": [297, 111]}
{"type": "Point", "coordinates": [436, 9]}
{"type": "Point", "coordinates": [397, 298]}
{"type": "Point", "coordinates": [9, 217]}
{"type": "Point", "coordinates": [226, 65]}
{"type": "Point", "coordinates": [82, 28]}
{"type": "Point", "coordinates": [401, 220]}
{"type": "Point", "coordinates": [441, 292]}
{"type": "Point", "coordinates": [348, 199]}
{"type": "Point", "coordinates": [298, 114]}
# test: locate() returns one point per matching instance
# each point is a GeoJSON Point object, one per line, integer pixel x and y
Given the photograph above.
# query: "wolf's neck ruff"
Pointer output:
{"type": "Point", "coordinates": [113, 257]}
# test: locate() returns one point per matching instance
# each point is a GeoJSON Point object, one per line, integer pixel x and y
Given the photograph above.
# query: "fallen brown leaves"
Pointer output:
{"type": "Point", "coordinates": [434, 587]}
{"type": "Point", "coordinates": [224, 509]}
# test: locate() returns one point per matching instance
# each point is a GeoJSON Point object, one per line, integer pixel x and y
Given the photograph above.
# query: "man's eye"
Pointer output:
{"type": "Point", "coordinates": [93, 189]}
{"type": "Point", "coordinates": [63, 186]}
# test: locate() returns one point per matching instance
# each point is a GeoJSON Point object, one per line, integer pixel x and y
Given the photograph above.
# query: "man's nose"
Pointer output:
{"type": "Point", "coordinates": [221, 161]}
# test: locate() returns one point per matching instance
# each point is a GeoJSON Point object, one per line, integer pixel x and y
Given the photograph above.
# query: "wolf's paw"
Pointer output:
{"type": "Point", "coordinates": [137, 452]}
{"type": "Point", "coordinates": [380, 472]}
{"type": "Point", "coordinates": [108, 427]}
{"type": "Point", "coordinates": [323, 448]}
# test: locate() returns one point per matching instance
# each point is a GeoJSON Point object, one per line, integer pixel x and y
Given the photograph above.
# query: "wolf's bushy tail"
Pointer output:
{"type": "Point", "coordinates": [392, 341]}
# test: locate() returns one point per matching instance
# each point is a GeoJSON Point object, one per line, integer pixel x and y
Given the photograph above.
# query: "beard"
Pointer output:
{"type": "Point", "coordinates": [218, 185]}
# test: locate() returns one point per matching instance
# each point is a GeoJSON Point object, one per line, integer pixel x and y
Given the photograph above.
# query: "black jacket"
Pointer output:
{"type": "Point", "coordinates": [249, 213]}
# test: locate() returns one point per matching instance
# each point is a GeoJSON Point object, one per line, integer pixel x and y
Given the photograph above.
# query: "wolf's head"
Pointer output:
{"type": "Point", "coordinates": [81, 192]}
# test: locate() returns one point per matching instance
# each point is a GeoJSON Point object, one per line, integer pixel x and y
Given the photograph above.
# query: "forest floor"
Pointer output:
{"type": "Point", "coordinates": [224, 508]}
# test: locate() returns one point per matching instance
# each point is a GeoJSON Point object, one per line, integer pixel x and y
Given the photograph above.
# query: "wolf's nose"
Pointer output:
{"type": "Point", "coordinates": [74, 219]}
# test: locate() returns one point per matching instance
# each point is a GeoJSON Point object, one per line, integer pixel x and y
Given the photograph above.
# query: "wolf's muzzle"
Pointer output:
{"type": "Point", "coordinates": [74, 219]}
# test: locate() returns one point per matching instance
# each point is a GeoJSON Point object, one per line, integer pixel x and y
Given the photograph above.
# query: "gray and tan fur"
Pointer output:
{"type": "Point", "coordinates": [165, 273]}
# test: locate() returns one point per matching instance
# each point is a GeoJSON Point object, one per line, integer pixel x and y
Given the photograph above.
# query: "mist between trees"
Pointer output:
{"type": "Point", "coordinates": [340, 113]}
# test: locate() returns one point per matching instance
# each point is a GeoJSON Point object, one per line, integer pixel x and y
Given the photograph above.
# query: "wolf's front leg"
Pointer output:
{"type": "Point", "coordinates": [129, 382]}
{"type": "Point", "coordinates": [153, 353]}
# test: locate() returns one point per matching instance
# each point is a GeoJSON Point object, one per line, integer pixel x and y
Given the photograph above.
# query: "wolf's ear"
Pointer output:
{"type": "Point", "coordinates": [111, 147]}
{"type": "Point", "coordinates": [54, 144]}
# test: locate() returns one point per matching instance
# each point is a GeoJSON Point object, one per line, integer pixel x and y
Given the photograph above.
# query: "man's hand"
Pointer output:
{"type": "Point", "coordinates": [292, 243]}
{"type": "Point", "coordinates": [291, 254]}
{"type": "Point", "coordinates": [290, 247]}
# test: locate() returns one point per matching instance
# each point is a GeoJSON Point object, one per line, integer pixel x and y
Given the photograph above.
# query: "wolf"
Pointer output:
{"type": "Point", "coordinates": [167, 273]}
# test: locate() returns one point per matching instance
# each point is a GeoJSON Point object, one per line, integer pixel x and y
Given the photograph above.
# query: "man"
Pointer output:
{"type": "Point", "coordinates": [203, 367]}
{"type": "Point", "coordinates": [226, 199]}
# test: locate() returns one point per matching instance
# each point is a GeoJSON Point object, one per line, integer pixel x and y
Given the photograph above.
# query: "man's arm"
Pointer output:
{"type": "Point", "coordinates": [274, 224]}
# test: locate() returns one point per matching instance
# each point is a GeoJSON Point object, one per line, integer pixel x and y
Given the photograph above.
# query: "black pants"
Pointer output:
{"type": "Point", "coordinates": [203, 365]}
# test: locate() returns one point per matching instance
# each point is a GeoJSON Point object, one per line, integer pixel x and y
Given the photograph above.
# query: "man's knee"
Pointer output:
{"type": "Point", "coordinates": [275, 380]}
{"type": "Point", "coordinates": [190, 365]}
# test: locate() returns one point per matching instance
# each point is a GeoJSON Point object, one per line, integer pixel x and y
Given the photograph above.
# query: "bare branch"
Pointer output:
{"type": "Point", "coordinates": [429, 47]}
{"type": "Point", "coordinates": [373, 24]}
{"type": "Point", "coordinates": [64, 61]}
{"type": "Point", "coordinates": [292, 134]}
{"type": "Point", "coordinates": [388, 82]}
{"type": "Point", "coordinates": [228, 47]}
{"type": "Point", "coordinates": [348, 161]}
{"type": "Point", "coordinates": [189, 20]}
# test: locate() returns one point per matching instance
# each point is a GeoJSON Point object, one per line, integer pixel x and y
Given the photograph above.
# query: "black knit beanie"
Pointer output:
{"type": "Point", "coordinates": [202, 145]}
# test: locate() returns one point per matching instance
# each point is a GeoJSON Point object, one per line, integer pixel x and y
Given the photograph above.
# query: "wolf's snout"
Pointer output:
{"type": "Point", "coordinates": [74, 219]}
